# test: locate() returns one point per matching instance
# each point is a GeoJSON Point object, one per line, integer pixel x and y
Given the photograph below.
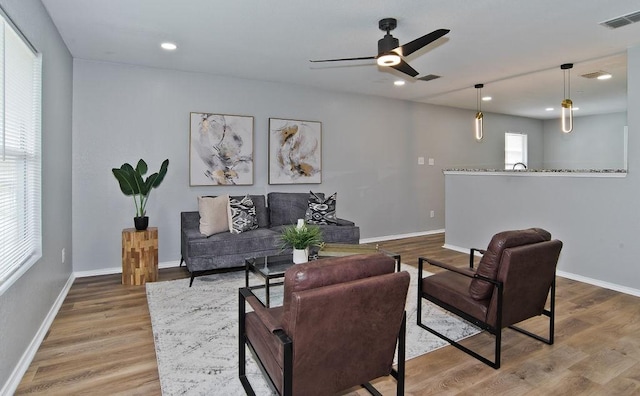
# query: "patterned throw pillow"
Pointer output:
{"type": "Point", "coordinates": [242, 215]}
{"type": "Point", "coordinates": [321, 211]}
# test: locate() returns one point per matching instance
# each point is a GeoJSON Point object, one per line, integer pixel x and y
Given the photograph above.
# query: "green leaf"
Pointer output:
{"type": "Point", "coordinates": [139, 182]}
{"type": "Point", "coordinates": [125, 182]}
{"type": "Point", "coordinates": [161, 173]}
{"type": "Point", "coordinates": [141, 168]}
{"type": "Point", "coordinates": [150, 183]}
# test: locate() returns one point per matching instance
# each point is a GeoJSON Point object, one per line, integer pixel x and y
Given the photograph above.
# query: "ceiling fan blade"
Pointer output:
{"type": "Point", "coordinates": [405, 68]}
{"type": "Point", "coordinates": [343, 59]}
{"type": "Point", "coordinates": [420, 42]}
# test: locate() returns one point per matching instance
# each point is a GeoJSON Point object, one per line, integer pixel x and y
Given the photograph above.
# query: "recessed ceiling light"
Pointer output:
{"type": "Point", "coordinates": [549, 109]}
{"type": "Point", "coordinates": [168, 46]}
{"type": "Point", "coordinates": [486, 98]}
{"type": "Point", "coordinates": [604, 77]}
{"type": "Point", "coordinates": [399, 83]}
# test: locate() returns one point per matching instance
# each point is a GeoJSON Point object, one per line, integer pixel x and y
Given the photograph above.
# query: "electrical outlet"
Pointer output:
{"type": "Point", "coordinates": [431, 161]}
{"type": "Point", "coordinates": [420, 160]}
{"type": "Point", "coordinates": [432, 214]}
{"type": "Point", "coordinates": [62, 255]}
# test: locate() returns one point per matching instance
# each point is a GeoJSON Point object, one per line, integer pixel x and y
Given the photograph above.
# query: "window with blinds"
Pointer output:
{"type": "Point", "coordinates": [20, 158]}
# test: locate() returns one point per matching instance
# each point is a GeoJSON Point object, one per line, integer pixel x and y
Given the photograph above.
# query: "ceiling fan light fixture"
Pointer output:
{"type": "Point", "coordinates": [390, 52]}
{"type": "Point", "coordinates": [390, 59]}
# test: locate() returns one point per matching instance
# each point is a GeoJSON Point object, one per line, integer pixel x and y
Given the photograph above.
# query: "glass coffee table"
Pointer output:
{"type": "Point", "coordinates": [274, 267]}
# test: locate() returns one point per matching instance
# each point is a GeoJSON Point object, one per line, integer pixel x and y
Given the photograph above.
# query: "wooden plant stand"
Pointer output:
{"type": "Point", "coordinates": [139, 256]}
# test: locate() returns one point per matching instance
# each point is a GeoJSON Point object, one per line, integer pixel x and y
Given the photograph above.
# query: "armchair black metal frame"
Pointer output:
{"type": "Point", "coordinates": [494, 330]}
{"type": "Point", "coordinates": [244, 294]}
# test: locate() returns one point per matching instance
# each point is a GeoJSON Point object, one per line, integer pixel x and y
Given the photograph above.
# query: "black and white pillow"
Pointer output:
{"type": "Point", "coordinates": [242, 215]}
{"type": "Point", "coordinates": [321, 211]}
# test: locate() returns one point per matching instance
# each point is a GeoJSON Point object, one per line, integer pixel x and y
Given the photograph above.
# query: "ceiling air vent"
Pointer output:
{"type": "Point", "coordinates": [595, 74]}
{"type": "Point", "coordinates": [622, 20]}
{"type": "Point", "coordinates": [429, 77]}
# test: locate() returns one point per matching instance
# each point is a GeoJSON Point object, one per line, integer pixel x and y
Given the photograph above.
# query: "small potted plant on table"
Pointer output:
{"type": "Point", "coordinates": [132, 183]}
{"type": "Point", "coordinates": [300, 237]}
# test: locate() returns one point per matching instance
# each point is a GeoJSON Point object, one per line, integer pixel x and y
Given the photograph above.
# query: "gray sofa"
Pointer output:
{"type": "Point", "coordinates": [225, 250]}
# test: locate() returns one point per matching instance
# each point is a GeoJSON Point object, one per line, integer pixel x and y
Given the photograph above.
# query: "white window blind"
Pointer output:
{"type": "Point", "coordinates": [20, 158]}
{"type": "Point", "coordinates": [515, 150]}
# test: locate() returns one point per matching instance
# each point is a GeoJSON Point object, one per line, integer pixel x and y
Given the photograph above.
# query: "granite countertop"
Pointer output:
{"type": "Point", "coordinates": [537, 170]}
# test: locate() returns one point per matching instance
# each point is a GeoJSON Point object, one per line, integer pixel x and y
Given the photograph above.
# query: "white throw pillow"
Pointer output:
{"type": "Point", "coordinates": [213, 214]}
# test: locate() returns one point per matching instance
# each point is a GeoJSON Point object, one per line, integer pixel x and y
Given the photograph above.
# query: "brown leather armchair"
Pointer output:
{"type": "Point", "coordinates": [512, 282]}
{"type": "Point", "coordinates": [337, 328]}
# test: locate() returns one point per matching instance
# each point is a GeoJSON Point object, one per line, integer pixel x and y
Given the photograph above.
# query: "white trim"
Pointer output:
{"type": "Point", "coordinates": [568, 275]}
{"type": "Point", "coordinates": [599, 283]}
{"type": "Point", "coordinates": [176, 263]}
{"type": "Point", "coordinates": [21, 368]}
{"type": "Point", "coordinates": [118, 270]}
{"type": "Point", "coordinates": [7, 283]}
{"type": "Point", "coordinates": [400, 236]}
{"type": "Point", "coordinates": [459, 249]}
{"type": "Point", "coordinates": [456, 248]}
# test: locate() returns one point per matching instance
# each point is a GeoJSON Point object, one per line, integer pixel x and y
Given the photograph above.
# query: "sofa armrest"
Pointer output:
{"type": "Point", "coordinates": [192, 233]}
{"type": "Point", "coordinates": [343, 222]}
{"type": "Point", "coordinates": [190, 219]}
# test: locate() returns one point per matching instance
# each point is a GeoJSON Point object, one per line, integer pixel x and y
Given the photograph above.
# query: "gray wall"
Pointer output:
{"type": "Point", "coordinates": [597, 218]}
{"type": "Point", "coordinates": [597, 142]}
{"type": "Point", "coordinates": [25, 305]}
{"type": "Point", "coordinates": [489, 152]}
{"type": "Point", "coordinates": [370, 149]}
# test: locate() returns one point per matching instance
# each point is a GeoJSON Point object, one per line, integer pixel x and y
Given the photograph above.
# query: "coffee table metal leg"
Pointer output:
{"type": "Point", "coordinates": [266, 286]}
{"type": "Point", "coordinates": [398, 262]}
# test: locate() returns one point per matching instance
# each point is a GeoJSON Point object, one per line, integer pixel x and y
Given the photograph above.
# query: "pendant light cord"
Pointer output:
{"type": "Point", "coordinates": [567, 84]}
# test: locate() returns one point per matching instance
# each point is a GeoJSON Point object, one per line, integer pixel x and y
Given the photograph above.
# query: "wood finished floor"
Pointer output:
{"type": "Point", "coordinates": [101, 343]}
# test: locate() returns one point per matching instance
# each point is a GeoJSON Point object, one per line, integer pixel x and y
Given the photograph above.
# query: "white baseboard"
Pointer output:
{"type": "Point", "coordinates": [569, 275]}
{"type": "Point", "coordinates": [13, 382]}
{"type": "Point", "coordinates": [118, 270]}
{"type": "Point", "coordinates": [456, 248]}
{"type": "Point", "coordinates": [176, 263]}
{"type": "Point", "coordinates": [400, 236]}
{"type": "Point", "coordinates": [599, 283]}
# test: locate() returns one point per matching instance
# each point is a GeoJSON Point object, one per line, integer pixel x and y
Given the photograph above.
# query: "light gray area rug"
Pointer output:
{"type": "Point", "coordinates": [196, 333]}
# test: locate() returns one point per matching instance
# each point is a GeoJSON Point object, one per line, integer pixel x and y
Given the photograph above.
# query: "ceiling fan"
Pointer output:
{"type": "Point", "coordinates": [390, 53]}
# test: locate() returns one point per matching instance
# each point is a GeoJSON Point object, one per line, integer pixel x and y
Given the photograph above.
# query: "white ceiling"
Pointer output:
{"type": "Point", "coordinates": [514, 47]}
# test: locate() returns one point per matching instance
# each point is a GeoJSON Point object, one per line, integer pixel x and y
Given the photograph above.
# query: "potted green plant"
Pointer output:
{"type": "Point", "coordinates": [132, 183]}
{"type": "Point", "coordinates": [300, 237]}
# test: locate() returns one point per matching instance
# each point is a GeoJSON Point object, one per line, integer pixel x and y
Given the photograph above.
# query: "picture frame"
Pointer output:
{"type": "Point", "coordinates": [220, 149]}
{"type": "Point", "coordinates": [295, 151]}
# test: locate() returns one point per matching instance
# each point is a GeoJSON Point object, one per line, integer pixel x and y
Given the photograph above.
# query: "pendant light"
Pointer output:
{"type": "Point", "coordinates": [567, 104]}
{"type": "Point", "coordinates": [478, 122]}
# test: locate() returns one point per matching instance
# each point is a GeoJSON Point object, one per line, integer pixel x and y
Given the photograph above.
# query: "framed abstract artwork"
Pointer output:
{"type": "Point", "coordinates": [295, 151]}
{"type": "Point", "coordinates": [220, 150]}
